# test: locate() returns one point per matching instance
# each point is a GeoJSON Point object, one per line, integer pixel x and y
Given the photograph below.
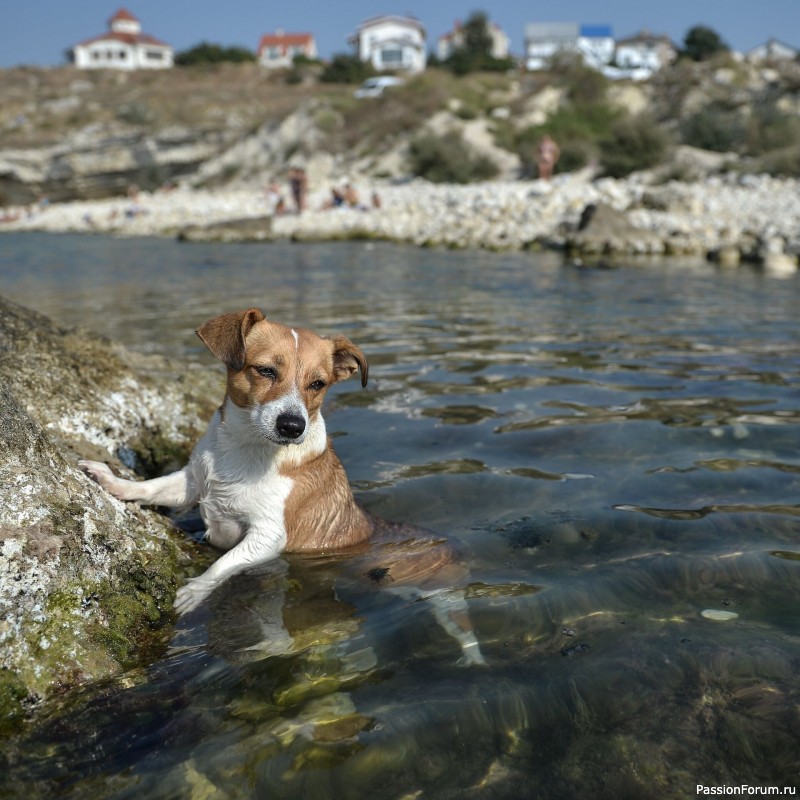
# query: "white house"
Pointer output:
{"type": "Point", "coordinates": [279, 49]}
{"type": "Point", "coordinates": [772, 50]}
{"type": "Point", "coordinates": [543, 40]}
{"type": "Point", "coordinates": [123, 46]}
{"type": "Point", "coordinates": [645, 50]}
{"type": "Point", "coordinates": [391, 43]}
{"type": "Point", "coordinates": [449, 42]}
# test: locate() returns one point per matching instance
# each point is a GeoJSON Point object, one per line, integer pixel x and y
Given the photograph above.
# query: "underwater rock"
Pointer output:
{"type": "Point", "coordinates": [718, 615]}
{"type": "Point", "coordinates": [86, 582]}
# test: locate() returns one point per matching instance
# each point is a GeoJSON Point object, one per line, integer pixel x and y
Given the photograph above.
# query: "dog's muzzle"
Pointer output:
{"type": "Point", "coordinates": [290, 426]}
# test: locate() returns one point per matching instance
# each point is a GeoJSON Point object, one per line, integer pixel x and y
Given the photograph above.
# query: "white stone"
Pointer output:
{"type": "Point", "coordinates": [718, 615]}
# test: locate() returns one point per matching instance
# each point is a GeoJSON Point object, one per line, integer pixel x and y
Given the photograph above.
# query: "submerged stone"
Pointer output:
{"type": "Point", "coordinates": [719, 615]}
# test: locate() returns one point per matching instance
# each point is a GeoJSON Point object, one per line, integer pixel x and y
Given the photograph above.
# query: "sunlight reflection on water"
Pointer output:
{"type": "Point", "coordinates": [616, 452]}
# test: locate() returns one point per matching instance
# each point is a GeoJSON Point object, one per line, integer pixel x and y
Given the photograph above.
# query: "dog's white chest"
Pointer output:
{"type": "Point", "coordinates": [240, 486]}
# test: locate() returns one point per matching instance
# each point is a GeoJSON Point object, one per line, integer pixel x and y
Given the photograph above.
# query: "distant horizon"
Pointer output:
{"type": "Point", "coordinates": [41, 32]}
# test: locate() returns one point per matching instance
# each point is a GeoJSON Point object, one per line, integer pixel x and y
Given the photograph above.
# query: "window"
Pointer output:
{"type": "Point", "coordinates": [391, 57]}
{"type": "Point", "coordinates": [154, 55]}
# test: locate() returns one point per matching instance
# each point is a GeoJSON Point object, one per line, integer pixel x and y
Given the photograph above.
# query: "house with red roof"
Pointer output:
{"type": "Point", "coordinates": [123, 46]}
{"type": "Point", "coordinates": [279, 49]}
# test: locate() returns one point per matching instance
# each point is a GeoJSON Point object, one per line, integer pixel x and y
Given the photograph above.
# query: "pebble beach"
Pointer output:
{"type": "Point", "coordinates": [726, 218]}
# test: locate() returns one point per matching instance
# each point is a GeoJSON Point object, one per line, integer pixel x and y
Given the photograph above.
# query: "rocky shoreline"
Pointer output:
{"type": "Point", "coordinates": [726, 218]}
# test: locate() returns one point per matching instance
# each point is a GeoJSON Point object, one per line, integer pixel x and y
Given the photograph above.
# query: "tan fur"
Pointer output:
{"type": "Point", "coordinates": [321, 513]}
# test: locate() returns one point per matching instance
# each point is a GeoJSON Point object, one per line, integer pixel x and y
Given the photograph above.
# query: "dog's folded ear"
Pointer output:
{"type": "Point", "coordinates": [347, 358]}
{"type": "Point", "coordinates": [225, 335]}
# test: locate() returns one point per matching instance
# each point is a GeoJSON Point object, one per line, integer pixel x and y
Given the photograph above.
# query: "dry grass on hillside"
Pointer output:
{"type": "Point", "coordinates": [41, 106]}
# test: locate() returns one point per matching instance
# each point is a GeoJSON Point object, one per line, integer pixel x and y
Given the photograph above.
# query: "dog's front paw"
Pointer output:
{"type": "Point", "coordinates": [191, 595]}
{"type": "Point", "coordinates": [471, 656]}
{"type": "Point", "coordinates": [102, 474]}
{"type": "Point", "coordinates": [99, 473]}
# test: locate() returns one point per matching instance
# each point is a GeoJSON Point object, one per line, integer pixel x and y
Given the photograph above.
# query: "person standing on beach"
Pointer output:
{"type": "Point", "coordinates": [547, 154]}
{"type": "Point", "coordinates": [298, 184]}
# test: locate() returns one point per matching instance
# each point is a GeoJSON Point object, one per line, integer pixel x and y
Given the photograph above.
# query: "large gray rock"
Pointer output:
{"type": "Point", "coordinates": [86, 582]}
{"type": "Point", "coordinates": [603, 230]}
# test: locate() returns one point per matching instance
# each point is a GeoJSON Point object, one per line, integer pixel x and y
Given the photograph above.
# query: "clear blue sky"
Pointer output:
{"type": "Point", "coordinates": [39, 31]}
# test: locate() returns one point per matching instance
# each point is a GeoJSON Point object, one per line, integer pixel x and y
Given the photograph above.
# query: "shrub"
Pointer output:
{"type": "Point", "coordinates": [769, 129]}
{"type": "Point", "coordinates": [784, 162]}
{"type": "Point", "coordinates": [577, 132]}
{"type": "Point", "coordinates": [136, 113]}
{"type": "Point", "coordinates": [576, 154]}
{"type": "Point", "coordinates": [346, 68]}
{"type": "Point", "coordinates": [207, 53]}
{"type": "Point", "coordinates": [714, 128]}
{"type": "Point", "coordinates": [448, 159]}
{"type": "Point", "coordinates": [634, 143]}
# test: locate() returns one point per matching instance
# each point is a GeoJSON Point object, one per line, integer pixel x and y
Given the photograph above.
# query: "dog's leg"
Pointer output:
{"type": "Point", "coordinates": [451, 612]}
{"type": "Point", "coordinates": [171, 490]}
{"type": "Point", "coordinates": [258, 546]}
{"type": "Point", "coordinates": [223, 533]}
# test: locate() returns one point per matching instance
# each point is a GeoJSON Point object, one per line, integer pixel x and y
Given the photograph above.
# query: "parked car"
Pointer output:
{"type": "Point", "coordinates": [373, 87]}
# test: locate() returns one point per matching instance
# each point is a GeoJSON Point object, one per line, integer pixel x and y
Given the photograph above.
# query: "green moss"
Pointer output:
{"type": "Point", "coordinates": [13, 694]}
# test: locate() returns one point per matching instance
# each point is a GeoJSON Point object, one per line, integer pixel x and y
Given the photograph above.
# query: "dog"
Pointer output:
{"type": "Point", "coordinates": [266, 477]}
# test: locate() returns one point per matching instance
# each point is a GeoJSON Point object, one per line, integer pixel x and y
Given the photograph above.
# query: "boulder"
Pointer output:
{"type": "Point", "coordinates": [604, 230]}
{"type": "Point", "coordinates": [86, 582]}
{"type": "Point", "coordinates": [253, 229]}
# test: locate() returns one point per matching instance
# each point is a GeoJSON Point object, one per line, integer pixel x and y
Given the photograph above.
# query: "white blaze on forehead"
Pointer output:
{"type": "Point", "coordinates": [296, 339]}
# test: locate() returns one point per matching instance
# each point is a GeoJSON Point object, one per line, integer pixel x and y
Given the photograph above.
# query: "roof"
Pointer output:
{"type": "Point", "coordinates": [552, 30]}
{"type": "Point", "coordinates": [773, 46]}
{"type": "Point", "coordinates": [597, 31]}
{"type": "Point", "coordinates": [285, 39]}
{"type": "Point", "coordinates": [412, 22]}
{"type": "Point", "coordinates": [645, 37]}
{"type": "Point", "coordinates": [123, 13]}
{"type": "Point", "coordinates": [124, 38]}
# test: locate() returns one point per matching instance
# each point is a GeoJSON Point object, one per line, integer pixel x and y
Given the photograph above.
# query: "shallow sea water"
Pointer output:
{"type": "Point", "coordinates": [616, 453]}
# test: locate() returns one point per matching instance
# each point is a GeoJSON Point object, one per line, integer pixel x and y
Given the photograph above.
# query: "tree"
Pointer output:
{"type": "Point", "coordinates": [477, 39]}
{"type": "Point", "coordinates": [475, 51]}
{"type": "Point", "coordinates": [207, 53]}
{"type": "Point", "coordinates": [700, 43]}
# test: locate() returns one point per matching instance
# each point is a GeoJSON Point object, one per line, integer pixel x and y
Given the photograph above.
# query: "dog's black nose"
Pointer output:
{"type": "Point", "coordinates": [290, 426]}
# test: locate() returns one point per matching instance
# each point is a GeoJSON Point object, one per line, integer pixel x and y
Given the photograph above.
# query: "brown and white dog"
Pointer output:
{"type": "Point", "coordinates": [266, 477]}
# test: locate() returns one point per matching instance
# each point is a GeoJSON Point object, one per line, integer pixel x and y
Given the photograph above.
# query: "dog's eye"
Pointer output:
{"type": "Point", "coordinates": [317, 385]}
{"type": "Point", "coordinates": [267, 372]}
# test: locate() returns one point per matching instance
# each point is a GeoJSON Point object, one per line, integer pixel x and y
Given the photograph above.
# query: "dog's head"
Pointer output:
{"type": "Point", "coordinates": [279, 375]}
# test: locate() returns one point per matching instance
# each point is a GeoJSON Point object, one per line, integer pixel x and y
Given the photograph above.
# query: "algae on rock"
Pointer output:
{"type": "Point", "coordinates": [86, 582]}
